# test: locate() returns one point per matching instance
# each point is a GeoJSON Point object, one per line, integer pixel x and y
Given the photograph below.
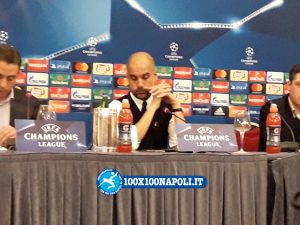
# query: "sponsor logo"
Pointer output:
{"type": "Point", "coordinates": [182, 85]}
{"type": "Point", "coordinates": [38, 79]}
{"type": "Point", "coordinates": [236, 99]}
{"type": "Point", "coordinates": [165, 81]}
{"type": "Point", "coordinates": [201, 85]}
{"type": "Point", "coordinates": [37, 65]}
{"type": "Point", "coordinates": [102, 81]}
{"type": "Point", "coordinates": [187, 109]}
{"type": "Point", "coordinates": [249, 60]}
{"type": "Point", "coordinates": [254, 111]}
{"type": "Point", "coordinates": [21, 78]}
{"type": "Point", "coordinates": [81, 94]}
{"type": "Point", "coordinates": [219, 99]}
{"type": "Point", "coordinates": [81, 106]}
{"type": "Point", "coordinates": [60, 106]}
{"type": "Point", "coordinates": [201, 110]}
{"type": "Point", "coordinates": [238, 87]}
{"type": "Point", "coordinates": [164, 71]}
{"type": "Point", "coordinates": [274, 89]}
{"type": "Point", "coordinates": [238, 75]}
{"type": "Point", "coordinates": [120, 69]}
{"type": "Point", "coordinates": [99, 94]}
{"type": "Point", "coordinates": [220, 74]}
{"type": "Point", "coordinates": [60, 66]}
{"type": "Point", "coordinates": [271, 97]}
{"type": "Point", "coordinates": [233, 110]}
{"type": "Point", "coordinates": [121, 82]}
{"type": "Point", "coordinates": [220, 86]}
{"type": "Point", "coordinates": [81, 80]}
{"type": "Point", "coordinates": [38, 92]}
{"type": "Point", "coordinates": [81, 67]}
{"type": "Point", "coordinates": [60, 79]}
{"type": "Point", "coordinates": [183, 97]}
{"type": "Point", "coordinates": [183, 72]}
{"type": "Point", "coordinates": [256, 100]}
{"type": "Point", "coordinates": [103, 69]}
{"type": "Point", "coordinates": [257, 76]}
{"type": "Point", "coordinates": [219, 110]}
{"type": "Point", "coordinates": [201, 98]}
{"type": "Point", "coordinates": [257, 88]}
{"type": "Point", "coordinates": [275, 77]}
{"type": "Point", "coordinates": [119, 93]}
{"type": "Point", "coordinates": [59, 92]}
{"type": "Point", "coordinates": [286, 77]}
{"type": "Point", "coordinates": [202, 73]}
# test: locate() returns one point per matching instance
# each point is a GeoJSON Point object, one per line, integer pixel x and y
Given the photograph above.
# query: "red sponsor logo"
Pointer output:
{"type": "Point", "coordinates": [60, 106]}
{"type": "Point", "coordinates": [201, 98]}
{"type": "Point", "coordinates": [120, 69]}
{"type": "Point", "coordinates": [256, 100]}
{"type": "Point", "coordinates": [257, 76]}
{"type": "Point", "coordinates": [220, 86]}
{"type": "Point", "coordinates": [81, 67]}
{"type": "Point", "coordinates": [187, 109]}
{"type": "Point", "coordinates": [21, 78]}
{"type": "Point", "coordinates": [38, 65]}
{"type": "Point", "coordinates": [165, 81]}
{"type": "Point", "coordinates": [121, 82]}
{"type": "Point", "coordinates": [119, 93]}
{"type": "Point", "coordinates": [59, 93]}
{"type": "Point", "coordinates": [183, 72]}
{"type": "Point", "coordinates": [233, 110]}
{"type": "Point", "coordinates": [220, 74]}
{"type": "Point", "coordinates": [81, 80]}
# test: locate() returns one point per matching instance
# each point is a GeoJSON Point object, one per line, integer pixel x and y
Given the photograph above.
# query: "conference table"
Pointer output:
{"type": "Point", "coordinates": [60, 189]}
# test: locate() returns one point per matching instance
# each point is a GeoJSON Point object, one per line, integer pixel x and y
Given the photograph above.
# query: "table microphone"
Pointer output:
{"type": "Point", "coordinates": [289, 144]}
{"type": "Point", "coordinates": [28, 96]}
{"type": "Point", "coordinates": [167, 110]}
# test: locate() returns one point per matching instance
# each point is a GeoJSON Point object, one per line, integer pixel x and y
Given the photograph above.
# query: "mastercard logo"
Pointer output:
{"type": "Point", "coordinates": [83, 67]}
{"type": "Point", "coordinates": [220, 73]}
{"type": "Point", "coordinates": [122, 81]}
{"type": "Point", "coordinates": [256, 87]}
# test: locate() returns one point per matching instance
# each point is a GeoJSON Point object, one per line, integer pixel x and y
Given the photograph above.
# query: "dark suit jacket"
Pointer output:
{"type": "Point", "coordinates": [285, 112]}
{"type": "Point", "coordinates": [19, 105]}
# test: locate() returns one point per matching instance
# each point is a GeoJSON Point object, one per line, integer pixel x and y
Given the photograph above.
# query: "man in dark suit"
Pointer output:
{"type": "Point", "coordinates": [289, 109]}
{"type": "Point", "coordinates": [14, 104]}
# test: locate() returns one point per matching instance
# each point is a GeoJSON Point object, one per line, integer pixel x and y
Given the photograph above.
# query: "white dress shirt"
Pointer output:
{"type": "Point", "coordinates": [5, 110]}
{"type": "Point", "coordinates": [115, 104]}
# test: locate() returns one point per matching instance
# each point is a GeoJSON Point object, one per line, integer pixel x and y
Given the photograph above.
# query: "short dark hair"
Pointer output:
{"type": "Point", "coordinates": [293, 71]}
{"type": "Point", "coordinates": [10, 54]}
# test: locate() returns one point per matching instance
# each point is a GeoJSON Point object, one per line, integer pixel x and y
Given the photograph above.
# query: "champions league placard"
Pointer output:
{"type": "Point", "coordinates": [206, 137]}
{"type": "Point", "coordinates": [50, 136]}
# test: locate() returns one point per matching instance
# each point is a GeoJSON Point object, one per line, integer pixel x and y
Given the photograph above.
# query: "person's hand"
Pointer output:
{"type": "Point", "coordinates": [163, 91]}
{"type": "Point", "coordinates": [7, 132]}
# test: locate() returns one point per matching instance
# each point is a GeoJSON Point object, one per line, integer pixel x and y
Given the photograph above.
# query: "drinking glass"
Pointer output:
{"type": "Point", "coordinates": [46, 112]}
{"type": "Point", "coordinates": [242, 123]}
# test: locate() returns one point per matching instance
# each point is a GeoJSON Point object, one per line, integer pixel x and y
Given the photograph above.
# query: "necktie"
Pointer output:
{"type": "Point", "coordinates": [144, 107]}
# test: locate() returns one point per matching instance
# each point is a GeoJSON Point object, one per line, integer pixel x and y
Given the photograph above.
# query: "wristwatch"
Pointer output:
{"type": "Point", "coordinates": [177, 110]}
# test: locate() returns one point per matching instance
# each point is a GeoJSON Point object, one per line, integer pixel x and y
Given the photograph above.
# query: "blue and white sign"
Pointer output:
{"type": "Point", "coordinates": [109, 181]}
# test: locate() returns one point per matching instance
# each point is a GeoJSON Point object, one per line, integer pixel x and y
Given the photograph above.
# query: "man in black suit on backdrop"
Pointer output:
{"type": "Point", "coordinates": [14, 104]}
{"type": "Point", "coordinates": [289, 109]}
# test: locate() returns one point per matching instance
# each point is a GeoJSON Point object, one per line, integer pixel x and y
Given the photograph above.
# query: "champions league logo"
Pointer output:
{"type": "Point", "coordinates": [173, 56]}
{"type": "Point", "coordinates": [92, 42]}
{"type": "Point", "coordinates": [249, 51]}
{"type": "Point", "coordinates": [3, 36]}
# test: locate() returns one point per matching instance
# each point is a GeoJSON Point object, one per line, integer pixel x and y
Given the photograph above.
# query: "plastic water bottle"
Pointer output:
{"type": "Point", "coordinates": [125, 122]}
{"type": "Point", "coordinates": [273, 125]}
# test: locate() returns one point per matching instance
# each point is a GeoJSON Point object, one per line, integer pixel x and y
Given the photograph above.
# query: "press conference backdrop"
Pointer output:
{"type": "Point", "coordinates": [219, 56]}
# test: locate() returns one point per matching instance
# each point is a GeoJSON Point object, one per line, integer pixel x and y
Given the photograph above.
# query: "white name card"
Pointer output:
{"type": "Point", "coordinates": [206, 137]}
{"type": "Point", "coordinates": [50, 136]}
